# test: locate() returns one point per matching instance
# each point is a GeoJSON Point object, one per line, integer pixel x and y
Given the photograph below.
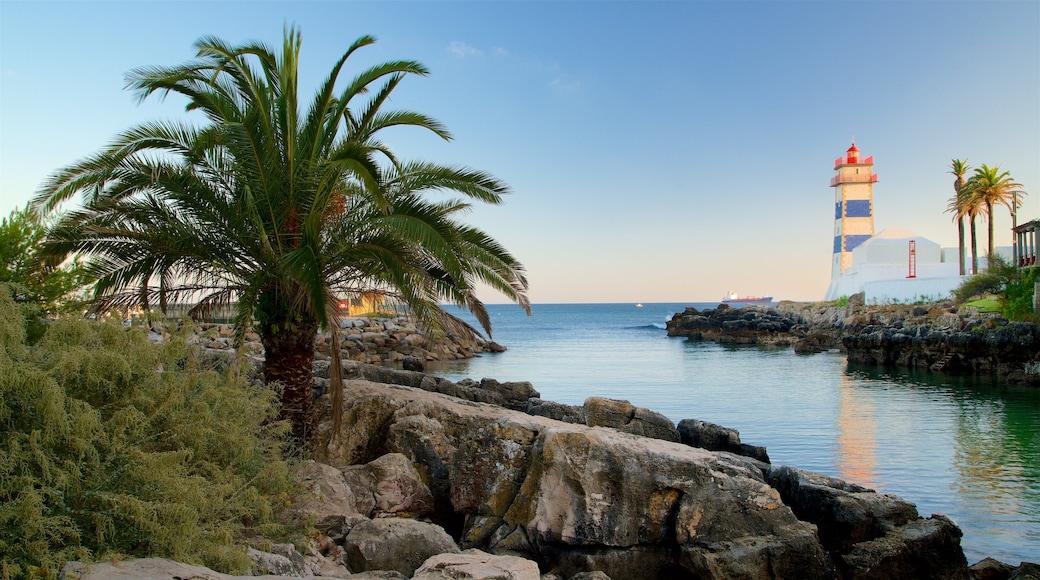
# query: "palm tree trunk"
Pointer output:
{"type": "Point", "coordinates": [289, 351]}
{"type": "Point", "coordinates": [974, 249]}
{"type": "Point", "coordinates": [960, 243]}
{"type": "Point", "coordinates": [989, 222]}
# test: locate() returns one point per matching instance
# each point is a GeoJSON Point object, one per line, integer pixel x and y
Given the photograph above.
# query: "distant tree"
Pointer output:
{"type": "Point", "coordinates": [44, 287]}
{"type": "Point", "coordinates": [279, 209]}
{"type": "Point", "coordinates": [957, 207]}
{"type": "Point", "coordinates": [990, 186]}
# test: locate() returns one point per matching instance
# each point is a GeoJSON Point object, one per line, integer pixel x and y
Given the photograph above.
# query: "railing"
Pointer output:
{"type": "Point", "coordinates": [854, 178]}
{"type": "Point", "coordinates": [847, 161]}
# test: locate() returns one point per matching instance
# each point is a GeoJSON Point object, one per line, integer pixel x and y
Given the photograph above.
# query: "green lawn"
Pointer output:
{"type": "Point", "coordinates": [985, 304]}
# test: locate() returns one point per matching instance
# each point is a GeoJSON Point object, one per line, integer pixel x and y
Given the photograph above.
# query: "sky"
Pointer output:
{"type": "Point", "coordinates": [656, 151]}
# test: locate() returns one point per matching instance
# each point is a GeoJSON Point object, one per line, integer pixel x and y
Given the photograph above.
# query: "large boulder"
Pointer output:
{"type": "Point", "coordinates": [389, 486]}
{"type": "Point", "coordinates": [395, 544]}
{"type": "Point", "coordinates": [922, 548]}
{"type": "Point", "coordinates": [579, 499]}
{"type": "Point", "coordinates": [324, 494]}
{"type": "Point", "coordinates": [846, 514]}
{"type": "Point", "coordinates": [582, 498]}
{"type": "Point", "coordinates": [476, 565]}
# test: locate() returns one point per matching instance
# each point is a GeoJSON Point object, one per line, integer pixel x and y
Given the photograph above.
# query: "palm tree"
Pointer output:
{"type": "Point", "coordinates": [990, 186]}
{"type": "Point", "coordinates": [957, 207]}
{"type": "Point", "coordinates": [278, 210]}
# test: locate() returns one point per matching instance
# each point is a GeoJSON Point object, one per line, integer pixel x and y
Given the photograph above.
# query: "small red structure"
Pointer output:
{"type": "Point", "coordinates": [912, 260]}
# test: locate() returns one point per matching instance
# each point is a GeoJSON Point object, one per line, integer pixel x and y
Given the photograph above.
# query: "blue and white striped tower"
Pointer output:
{"type": "Point", "coordinates": [853, 207]}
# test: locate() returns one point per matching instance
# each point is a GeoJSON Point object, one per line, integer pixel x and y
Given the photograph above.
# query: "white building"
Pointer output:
{"type": "Point", "coordinates": [895, 265]}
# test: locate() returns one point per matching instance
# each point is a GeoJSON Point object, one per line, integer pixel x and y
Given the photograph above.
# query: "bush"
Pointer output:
{"type": "Point", "coordinates": [40, 287]}
{"type": "Point", "coordinates": [113, 445]}
{"type": "Point", "coordinates": [979, 285]}
{"type": "Point", "coordinates": [1017, 302]}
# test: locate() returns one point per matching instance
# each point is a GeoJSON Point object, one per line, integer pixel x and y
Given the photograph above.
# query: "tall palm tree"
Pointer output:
{"type": "Point", "coordinates": [958, 167]}
{"type": "Point", "coordinates": [990, 186]}
{"type": "Point", "coordinates": [278, 210]}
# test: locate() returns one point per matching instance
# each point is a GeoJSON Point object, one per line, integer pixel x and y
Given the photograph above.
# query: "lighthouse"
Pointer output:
{"type": "Point", "coordinates": [853, 185]}
{"type": "Point", "coordinates": [893, 265]}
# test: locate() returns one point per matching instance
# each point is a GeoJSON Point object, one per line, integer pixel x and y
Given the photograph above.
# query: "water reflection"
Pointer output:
{"type": "Point", "coordinates": [991, 435]}
{"type": "Point", "coordinates": [857, 436]}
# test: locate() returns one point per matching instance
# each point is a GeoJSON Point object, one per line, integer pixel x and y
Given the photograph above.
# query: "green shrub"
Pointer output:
{"type": "Point", "coordinates": [42, 288]}
{"type": "Point", "coordinates": [978, 285]}
{"type": "Point", "coordinates": [1017, 302]}
{"type": "Point", "coordinates": [113, 445]}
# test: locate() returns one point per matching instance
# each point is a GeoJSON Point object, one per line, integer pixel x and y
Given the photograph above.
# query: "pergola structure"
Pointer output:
{"type": "Point", "coordinates": [1026, 238]}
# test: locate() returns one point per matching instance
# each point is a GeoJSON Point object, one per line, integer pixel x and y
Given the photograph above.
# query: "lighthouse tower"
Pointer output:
{"type": "Point", "coordinates": [853, 207]}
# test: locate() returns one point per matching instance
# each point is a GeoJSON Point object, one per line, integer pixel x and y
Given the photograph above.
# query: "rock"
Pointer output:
{"type": "Point", "coordinates": [325, 494]}
{"type": "Point", "coordinates": [709, 436]}
{"type": "Point", "coordinates": [327, 568]}
{"type": "Point", "coordinates": [922, 548]}
{"type": "Point", "coordinates": [389, 485]}
{"type": "Point", "coordinates": [141, 569]}
{"type": "Point", "coordinates": [584, 498]}
{"type": "Point", "coordinates": [476, 565]}
{"type": "Point", "coordinates": [379, 575]}
{"type": "Point", "coordinates": [514, 394]}
{"type": "Point", "coordinates": [337, 527]}
{"type": "Point", "coordinates": [287, 562]}
{"type": "Point", "coordinates": [413, 363]}
{"type": "Point", "coordinates": [580, 499]}
{"type": "Point", "coordinates": [557, 411]}
{"type": "Point", "coordinates": [749, 325]}
{"type": "Point", "coordinates": [714, 437]}
{"type": "Point", "coordinates": [602, 412]}
{"type": "Point", "coordinates": [1026, 570]}
{"type": "Point", "coordinates": [990, 569]}
{"type": "Point", "coordinates": [395, 544]}
{"type": "Point", "coordinates": [625, 417]}
{"type": "Point", "coordinates": [845, 513]}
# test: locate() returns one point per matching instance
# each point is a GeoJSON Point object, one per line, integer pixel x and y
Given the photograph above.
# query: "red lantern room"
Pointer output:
{"type": "Point", "coordinates": [853, 153]}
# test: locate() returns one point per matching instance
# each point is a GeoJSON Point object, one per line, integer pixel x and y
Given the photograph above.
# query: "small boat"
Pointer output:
{"type": "Point", "coordinates": [734, 298]}
{"type": "Point", "coordinates": [640, 305]}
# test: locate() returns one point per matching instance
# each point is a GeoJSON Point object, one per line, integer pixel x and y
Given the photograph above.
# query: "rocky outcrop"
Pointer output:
{"type": "Point", "coordinates": [383, 341]}
{"type": "Point", "coordinates": [939, 337]}
{"type": "Point", "coordinates": [756, 325]}
{"type": "Point", "coordinates": [579, 499]}
{"type": "Point", "coordinates": [1010, 349]}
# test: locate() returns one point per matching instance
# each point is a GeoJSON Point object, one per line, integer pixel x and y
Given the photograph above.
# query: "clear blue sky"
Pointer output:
{"type": "Point", "coordinates": [658, 151]}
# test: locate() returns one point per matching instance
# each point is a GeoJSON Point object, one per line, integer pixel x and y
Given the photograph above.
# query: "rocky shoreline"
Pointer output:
{"type": "Point", "coordinates": [941, 337]}
{"type": "Point", "coordinates": [372, 340]}
{"type": "Point", "coordinates": [432, 479]}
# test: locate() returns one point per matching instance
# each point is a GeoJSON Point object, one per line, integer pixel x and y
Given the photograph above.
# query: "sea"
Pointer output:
{"type": "Point", "coordinates": [966, 447]}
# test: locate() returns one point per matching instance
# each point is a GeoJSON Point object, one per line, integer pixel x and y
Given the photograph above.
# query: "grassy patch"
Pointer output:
{"type": "Point", "coordinates": [985, 304]}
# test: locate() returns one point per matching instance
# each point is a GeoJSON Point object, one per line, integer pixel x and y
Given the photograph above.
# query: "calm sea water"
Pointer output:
{"type": "Point", "coordinates": [968, 448]}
